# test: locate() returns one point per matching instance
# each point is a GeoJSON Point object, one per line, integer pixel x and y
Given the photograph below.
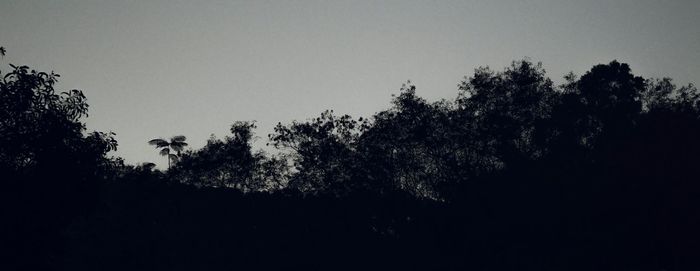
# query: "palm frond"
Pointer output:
{"type": "Point", "coordinates": [159, 142]}
{"type": "Point", "coordinates": [178, 146]}
{"type": "Point", "coordinates": [165, 151]}
{"type": "Point", "coordinates": [173, 157]}
{"type": "Point", "coordinates": [179, 138]}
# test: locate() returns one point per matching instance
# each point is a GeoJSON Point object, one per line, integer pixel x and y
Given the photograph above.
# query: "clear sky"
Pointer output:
{"type": "Point", "coordinates": [161, 68]}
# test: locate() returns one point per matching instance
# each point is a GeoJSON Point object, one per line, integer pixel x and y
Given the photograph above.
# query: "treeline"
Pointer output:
{"type": "Point", "coordinates": [600, 172]}
{"type": "Point", "coordinates": [516, 120]}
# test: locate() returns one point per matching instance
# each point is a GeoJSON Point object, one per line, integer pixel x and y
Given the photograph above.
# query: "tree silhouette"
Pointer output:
{"type": "Point", "coordinates": [229, 163]}
{"type": "Point", "coordinates": [176, 143]}
{"type": "Point", "coordinates": [323, 151]}
{"type": "Point", "coordinates": [50, 167]}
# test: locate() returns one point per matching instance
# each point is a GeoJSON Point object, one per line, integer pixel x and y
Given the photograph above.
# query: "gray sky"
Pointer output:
{"type": "Point", "coordinates": [161, 68]}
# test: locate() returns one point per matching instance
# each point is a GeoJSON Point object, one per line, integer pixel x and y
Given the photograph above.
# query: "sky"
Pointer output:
{"type": "Point", "coordinates": [162, 68]}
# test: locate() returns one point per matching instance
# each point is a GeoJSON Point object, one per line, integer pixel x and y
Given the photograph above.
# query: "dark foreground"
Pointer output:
{"type": "Point", "coordinates": [156, 226]}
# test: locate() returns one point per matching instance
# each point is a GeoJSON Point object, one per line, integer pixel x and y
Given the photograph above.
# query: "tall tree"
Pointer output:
{"type": "Point", "coordinates": [323, 151]}
{"type": "Point", "coordinates": [48, 163]}
{"type": "Point", "coordinates": [225, 163]}
{"type": "Point", "coordinates": [176, 143]}
{"type": "Point", "coordinates": [505, 110]}
{"type": "Point", "coordinates": [407, 147]}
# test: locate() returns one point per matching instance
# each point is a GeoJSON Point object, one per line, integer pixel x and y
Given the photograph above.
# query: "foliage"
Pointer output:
{"type": "Point", "coordinates": [231, 163]}
{"type": "Point", "coordinates": [49, 168]}
{"type": "Point", "coordinates": [323, 151]}
{"type": "Point", "coordinates": [176, 144]}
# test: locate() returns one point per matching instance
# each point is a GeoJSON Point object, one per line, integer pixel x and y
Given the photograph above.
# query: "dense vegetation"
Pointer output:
{"type": "Point", "coordinates": [599, 173]}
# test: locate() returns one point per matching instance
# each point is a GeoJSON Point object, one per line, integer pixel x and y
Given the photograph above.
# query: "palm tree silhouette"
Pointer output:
{"type": "Point", "coordinates": [176, 143]}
